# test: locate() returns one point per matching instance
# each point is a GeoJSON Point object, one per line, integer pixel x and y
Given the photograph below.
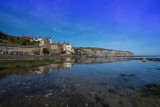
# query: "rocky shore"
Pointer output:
{"type": "Point", "coordinates": [146, 59]}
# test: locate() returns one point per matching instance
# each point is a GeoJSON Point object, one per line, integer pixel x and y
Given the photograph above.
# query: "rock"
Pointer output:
{"type": "Point", "coordinates": [158, 68]}
{"type": "Point", "coordinates": [103, 52]}
{"type": "Point", "coordinates": [46, 105]}
{"type": "Point", "coordinates": [48, 94]}
{"type": "Point", "coordinates": [154, 88]}
{"type": "Point", "coordinates": [2, 91]}
{"type": "Point", "coordinates": [129, 75]}
{"type": "Point", "coordinates": [144, 60]}
{"type": "Point", "coordinates": [86, 105]}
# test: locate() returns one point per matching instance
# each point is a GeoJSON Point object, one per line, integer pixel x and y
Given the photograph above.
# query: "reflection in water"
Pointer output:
{"type": "Point", "coordinates": [97, 84]}
{"type": "Point", "coordinates": [48, 68]}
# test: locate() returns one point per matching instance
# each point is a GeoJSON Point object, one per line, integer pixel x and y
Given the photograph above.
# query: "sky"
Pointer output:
{"type": "Point", "coordinates": [129, 25]}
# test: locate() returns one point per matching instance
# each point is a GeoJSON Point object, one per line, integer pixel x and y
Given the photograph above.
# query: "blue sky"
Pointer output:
{"type": "Point", "coordinates": [130, 25]}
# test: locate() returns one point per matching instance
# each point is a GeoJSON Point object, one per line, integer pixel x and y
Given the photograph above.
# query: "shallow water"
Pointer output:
{"type": "Point", "coordinates": [92, 82]}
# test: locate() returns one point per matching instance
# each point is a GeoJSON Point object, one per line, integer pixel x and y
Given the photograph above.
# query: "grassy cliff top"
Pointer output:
{"type": "Point", "coordinates": [95, 48]}
{"type": "Point", "coordinates": [8, 39]}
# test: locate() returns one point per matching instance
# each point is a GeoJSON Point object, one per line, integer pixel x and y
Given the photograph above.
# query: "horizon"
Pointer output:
{"type": "Point", "coordinates": [120, 25]}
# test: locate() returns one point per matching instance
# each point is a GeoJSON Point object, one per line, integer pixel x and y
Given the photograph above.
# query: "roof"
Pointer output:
{"type": "Point", "coordinates": [25, 36]}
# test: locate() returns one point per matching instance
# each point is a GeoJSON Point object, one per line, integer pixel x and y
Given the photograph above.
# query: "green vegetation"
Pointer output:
{"type": "Point", "coordinates": [25, 63]}
{"type": "Point", "coordinates": [145, 99]}
{"type": "Point", "coordinates": [116, 97]}
{"type": "Point", "coordinates": [5, 38]}
{"type": "Point", "coordinates": [81, 50]}
{"type": "Point", "coordinates": [95, 48]}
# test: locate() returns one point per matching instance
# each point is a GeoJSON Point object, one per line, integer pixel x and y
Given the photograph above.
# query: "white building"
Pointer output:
{"type": "Point", "coordinates": [50, 40]}
{"type": "Point", "coordinates": [38, 39]}
{"type": "Point", "coordinates": [69, 47]}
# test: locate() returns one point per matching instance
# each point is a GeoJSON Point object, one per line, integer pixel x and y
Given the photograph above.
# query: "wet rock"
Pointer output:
{"type": "Point", "coordinates": [26, 96]}
{"type": "Point", "coordinates": [86, 105]}
{"type": "Point", "coordinates": [129, 75]}
{"type": "Point", "coordinates": [46, 105]}
{"type": "Point", "coordinates": [98, 100]}
{"type": "Point", "coordinates": [144, 60]}
{"type": "Point", "coordinates": [158, 68]}
{"type": "Point", "coordinates": [47, 95]}
{"type": "Point", "coordinates": [78, 85]}
{"type": "Point", "coordinates": [2, 91]}
{"type": "Point", "coordinates": [105, 105]}
{"type": "Point", "coordinates": [27, 87]}
{"type": "Point", "coordinates": [112, 91]}
{"type": "Point", "coordinates": [116, 97]}
{"type": "Point", "coordinates": [154, 88]}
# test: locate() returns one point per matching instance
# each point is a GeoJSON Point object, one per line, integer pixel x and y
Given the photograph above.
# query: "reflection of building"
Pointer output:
{"type": "Point", "coordinates": [43, 70]}
{"type": "Point", "coordinates": [55, 66]}
{"type": "Point", "coordinates": [68, 65]}
{"type": "Point", "coordinates": [64, 66]}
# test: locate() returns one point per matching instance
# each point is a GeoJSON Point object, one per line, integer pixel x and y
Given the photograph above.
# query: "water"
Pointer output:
{"type": "Point", "coordinates": [92, 82]}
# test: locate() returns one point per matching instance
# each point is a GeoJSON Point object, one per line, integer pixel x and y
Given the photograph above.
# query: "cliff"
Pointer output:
{"type": "Point", "coordinates": [102, 52]}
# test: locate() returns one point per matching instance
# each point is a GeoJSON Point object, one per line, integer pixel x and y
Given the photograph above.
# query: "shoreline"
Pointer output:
{"type": "Point", "coordinates": [46, 57]}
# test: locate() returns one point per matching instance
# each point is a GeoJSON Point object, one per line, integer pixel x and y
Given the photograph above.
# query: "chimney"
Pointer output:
{"type": "Point", "coordinates": [49, 37]}
{"type": "Point", "coordinates": [39, 36]}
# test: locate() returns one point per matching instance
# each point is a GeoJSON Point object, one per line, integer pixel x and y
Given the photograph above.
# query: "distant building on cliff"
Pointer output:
{"type": "Point", "coordinates": [38, 39]}
{"type": "Point", "coordinates": [69, 47]}
{"type": "Point", "coordinates": [28, 37]}
{"type": "Point", "coordinates": [55, 45]}
{"type": "Point", "coordinates": [64, 46]}
{"type": "Point", "coordinates": [45, 42]}
{"type": "Point", "coordinates": [50, 40]}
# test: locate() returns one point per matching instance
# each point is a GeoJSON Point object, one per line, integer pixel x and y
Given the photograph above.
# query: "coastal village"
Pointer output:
{"type": "Point", "coordinates": [37, 46]}
{"type": "Point", "coordinates": [48, 47]}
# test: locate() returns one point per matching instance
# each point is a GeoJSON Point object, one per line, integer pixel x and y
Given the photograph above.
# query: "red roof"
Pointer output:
{"type": "Point", "coordinates": [25, 36]}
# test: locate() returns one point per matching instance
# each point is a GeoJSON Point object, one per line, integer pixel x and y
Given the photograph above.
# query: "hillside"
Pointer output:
{"type": "Point", "coordinates": [8, 39]}
{"type": "Point", "coordinates": [103, 52]}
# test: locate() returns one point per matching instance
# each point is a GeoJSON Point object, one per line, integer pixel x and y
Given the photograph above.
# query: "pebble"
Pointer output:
{"type": "Point", "coordinates": [86, 105]}
{"type": "Point", "coordinates": [48, 94]}
{"type": "Point", "coordinates": [2, 91]}
{"type": "Point", "coordinates": [18, 83]}
{"type": "Point", "coordinates": [46, 105]}
{"type": "Point", "coordinates": [78, 85]}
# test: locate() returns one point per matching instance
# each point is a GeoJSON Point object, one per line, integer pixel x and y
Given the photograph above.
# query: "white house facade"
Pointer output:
{"type": "Point", "coordinates": [69, 47]}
